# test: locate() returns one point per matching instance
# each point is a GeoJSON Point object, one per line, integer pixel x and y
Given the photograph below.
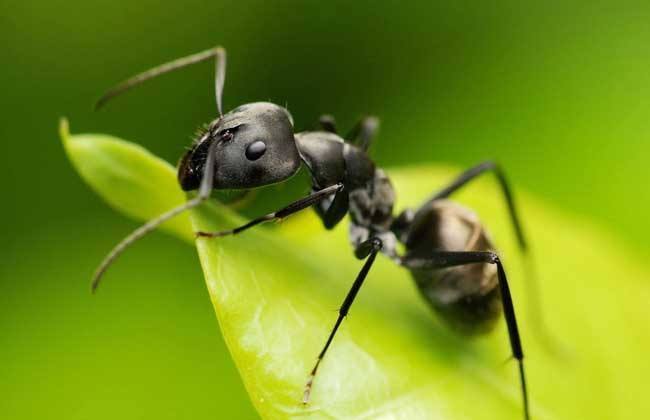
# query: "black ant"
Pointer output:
{"type": "Point", "coordinates": [448, 251]}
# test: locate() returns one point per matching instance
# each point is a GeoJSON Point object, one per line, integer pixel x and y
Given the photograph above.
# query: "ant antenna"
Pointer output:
{"type": "Point", "coordinates": [220, 75]}
{"type": "Point", "coordinates": [204, 194]}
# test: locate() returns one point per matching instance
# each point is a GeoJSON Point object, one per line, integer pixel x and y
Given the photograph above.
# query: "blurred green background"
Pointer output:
{"type": "Point", "coordinates": [559, 92]}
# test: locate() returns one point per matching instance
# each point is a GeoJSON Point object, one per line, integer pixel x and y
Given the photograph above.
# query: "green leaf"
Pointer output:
{"type": "Point", "coordinates": [129, 178]}
{"type": "Point", "coordinates": [276, 290]}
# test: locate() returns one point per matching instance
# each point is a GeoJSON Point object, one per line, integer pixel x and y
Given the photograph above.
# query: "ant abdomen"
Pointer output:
{"type": "Point", "coordinates": [465, 296]}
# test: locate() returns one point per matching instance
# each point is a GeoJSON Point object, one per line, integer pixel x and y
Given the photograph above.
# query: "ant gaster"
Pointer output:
{"type": "Point", "coordinates": [447, 250]}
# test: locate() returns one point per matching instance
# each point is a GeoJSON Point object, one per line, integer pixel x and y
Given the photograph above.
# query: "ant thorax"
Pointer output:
{"type": "Point", "coordinates": [368, 195]}
{"type": "Point", "coordinates": [371, 213]}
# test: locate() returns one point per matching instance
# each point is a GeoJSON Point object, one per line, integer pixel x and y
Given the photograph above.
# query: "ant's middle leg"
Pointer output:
{"type": "Point", "coordinates": [367, 249]}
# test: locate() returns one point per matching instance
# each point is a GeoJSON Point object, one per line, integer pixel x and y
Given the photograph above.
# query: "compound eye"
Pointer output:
{"type": "Point", "coordinates": [255, 150]}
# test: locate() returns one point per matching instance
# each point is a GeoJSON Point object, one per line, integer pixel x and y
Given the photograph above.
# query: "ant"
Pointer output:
{"type": "Point", "coordinates": [447, 249]}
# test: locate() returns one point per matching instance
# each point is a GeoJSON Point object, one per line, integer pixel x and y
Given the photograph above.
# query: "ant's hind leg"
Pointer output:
{"type": "Point", "coordinates": [532, 283]}
{"type": "Point", "coordinates": [472, 174]}
{"type": "Point", "coordinates": [445, 259]}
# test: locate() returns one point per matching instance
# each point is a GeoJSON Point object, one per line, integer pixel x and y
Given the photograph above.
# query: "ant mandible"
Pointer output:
{"type": "Point", "coordinates": [448, 251]}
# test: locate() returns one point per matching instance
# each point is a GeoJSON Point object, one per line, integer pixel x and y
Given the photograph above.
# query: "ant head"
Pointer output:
{"type": "Point", "coordinates": [255, 147]}
{"type": "Point", "coordinates": [254, 143]}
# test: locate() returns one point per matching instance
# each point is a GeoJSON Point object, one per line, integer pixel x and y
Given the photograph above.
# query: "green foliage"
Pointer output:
{"type": "Point", "coordinates": [276, 289]}
{"type": "Point", "coordinates": [128, 177]}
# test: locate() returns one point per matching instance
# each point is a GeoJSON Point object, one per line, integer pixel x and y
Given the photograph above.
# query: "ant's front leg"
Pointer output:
{"type": "Point", "coordinates": [292, 208]}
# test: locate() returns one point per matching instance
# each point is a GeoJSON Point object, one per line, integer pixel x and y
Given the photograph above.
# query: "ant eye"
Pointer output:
{"type": "Point", "coordinates": [226, 135]}
{"type": "Point", "coordinates": [255, 150]}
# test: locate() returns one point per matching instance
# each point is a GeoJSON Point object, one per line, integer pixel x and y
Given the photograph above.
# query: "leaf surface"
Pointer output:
{"type": "Point", "coordinates": [276, 290]}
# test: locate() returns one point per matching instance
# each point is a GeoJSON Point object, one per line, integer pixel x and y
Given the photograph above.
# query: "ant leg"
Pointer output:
{"type": "Point", "coordinates": [535, 306]}
{"type": "Point", "coordinates": [219, 53]}
{"type": "Point", "coordinates": [333, 211]}
{"type": "Point", "coordinates": [327, 123]}
{"type": "Point", "coordinates": [294, 207]}
{"type": "Point", "coordinates": [474, 172]}
{"type": "Point", "coordinates": [363, 132]}
{"type": "Point", "coordinates": [368, 249]}
{"type": "Point", "coordinates": [444, 259]}
{"type": "Point", "coordinates": [204, 193]}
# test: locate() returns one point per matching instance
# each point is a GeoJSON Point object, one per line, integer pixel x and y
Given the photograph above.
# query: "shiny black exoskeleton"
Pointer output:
{"type": "Point", "coordinates": [447, 250]}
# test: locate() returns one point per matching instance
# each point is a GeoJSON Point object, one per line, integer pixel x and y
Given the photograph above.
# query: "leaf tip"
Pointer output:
{"type": "Point", "coordinates": [64, 129]}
